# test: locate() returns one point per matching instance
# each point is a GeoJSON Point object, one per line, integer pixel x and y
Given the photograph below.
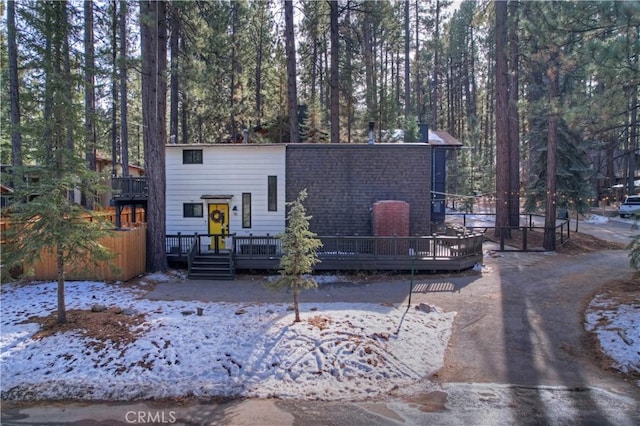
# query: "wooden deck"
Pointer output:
{"type": "Point", "coordinates": [338, 253]}
{"type": "Point", "coordinates": [130, 188]}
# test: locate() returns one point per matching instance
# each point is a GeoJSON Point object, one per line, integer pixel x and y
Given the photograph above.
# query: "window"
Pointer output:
{"type": "Point", "coordinates": [192, 156]}
{"type": "Point", "coordinates": [632, 200]}
{"type": "Point", "coordinates": [246, 210]}
{"type": "Point", "coordinates": [272, 194]}
{"type": "Point", "coordinates": [192, 210]}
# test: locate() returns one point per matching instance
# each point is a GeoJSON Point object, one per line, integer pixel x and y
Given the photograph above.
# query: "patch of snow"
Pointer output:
{"type": "Point", "coordinates": [339, 351]}
{"type": "Point", "coordinates": [479, 267]}
{"type": "Point", "coordinates": [597, 219]}
{"type": "Point", "coordinates": [617, 327]}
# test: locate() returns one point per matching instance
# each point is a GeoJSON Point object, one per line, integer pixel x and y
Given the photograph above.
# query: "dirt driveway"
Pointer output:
{"type": "Point", "coordinates": [523, 323]}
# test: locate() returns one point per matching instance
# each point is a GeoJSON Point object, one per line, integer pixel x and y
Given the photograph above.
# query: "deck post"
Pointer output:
{"type": "Point", "coordinates": [433, 240]}
{"type": "Point", "coordinates": [118, 218]}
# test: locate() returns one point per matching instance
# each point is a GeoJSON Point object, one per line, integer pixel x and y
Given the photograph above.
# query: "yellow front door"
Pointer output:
{"type": "Point", "coordinates": [218, 224]}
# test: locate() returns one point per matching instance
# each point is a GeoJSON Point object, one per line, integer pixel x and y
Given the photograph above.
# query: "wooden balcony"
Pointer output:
{"type": "Point", "coordinates": [129, 188]}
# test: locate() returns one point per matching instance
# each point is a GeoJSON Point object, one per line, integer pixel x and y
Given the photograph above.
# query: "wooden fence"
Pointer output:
{"type": "Point", "coordinates": [128, 220]}
{"type": "Point", "coordinates": [127, 245]}
{"type": "Point", "coordinates": [109, 213]}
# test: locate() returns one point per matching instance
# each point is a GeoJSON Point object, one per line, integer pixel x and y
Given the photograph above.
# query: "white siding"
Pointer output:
{"type": "Point", "coordinates": [226, 170]}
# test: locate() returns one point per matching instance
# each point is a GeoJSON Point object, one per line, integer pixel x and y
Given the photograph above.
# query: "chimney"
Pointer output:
{"type": "Point", "coordinates": [372, 125]}
{"type": "Point", "coordinates": [424, 132]}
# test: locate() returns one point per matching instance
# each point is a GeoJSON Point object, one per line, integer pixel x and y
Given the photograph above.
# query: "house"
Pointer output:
{"type": "Point", "coordinates": [370, 204]}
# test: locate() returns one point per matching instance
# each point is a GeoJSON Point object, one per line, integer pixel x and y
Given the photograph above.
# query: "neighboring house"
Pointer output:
{"type": "Point", "coordinates": [105, 166]}
{"type": "Point", "coordinates": [5, 195]}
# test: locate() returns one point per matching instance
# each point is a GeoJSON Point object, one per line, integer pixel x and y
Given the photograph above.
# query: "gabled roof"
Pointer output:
{"type": "Point", "coordinates": [5, 189]}
{"type": "Point", "coordinates": [108, 161]}
{"type": "Point", "coordinates": [444, 139]}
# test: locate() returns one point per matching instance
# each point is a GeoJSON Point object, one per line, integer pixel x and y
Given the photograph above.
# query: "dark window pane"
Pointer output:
{"type": "Point", "coordinates": [192, 210]}
{"type": "Point", "coordinates": [246, 210]}
{"type": "Point", "coordinates": [192, 156]}
{"type": "Point", "coordinates": [272, 196]}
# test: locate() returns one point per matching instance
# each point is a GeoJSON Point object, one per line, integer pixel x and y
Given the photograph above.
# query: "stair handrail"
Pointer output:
{"type": "Point", "coordinates": [193, 251]}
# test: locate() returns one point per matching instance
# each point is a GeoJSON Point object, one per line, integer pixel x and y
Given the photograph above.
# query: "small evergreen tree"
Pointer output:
{"type": "Point", "coordinates": [299, 246]}
{"type": "Point", "coordinates": [43, 219]}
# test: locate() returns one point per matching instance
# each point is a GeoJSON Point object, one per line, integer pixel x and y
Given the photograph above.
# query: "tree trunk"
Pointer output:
{"type": "Point", "coordinates": [185, 105]}
{"type": "Point", "coordinates": [296, 305]}
{"type": "Point", "coordinates": [549, 241]}
{"type": "Point", "coordinates": [14, 83]}
{"type": "Point", "coordinates": [62, 309]}
{"type": "Point", "coordinates": [335, 84]}
{"type": "Point", "coordinates": [633, 140]}
{"type": "Point", "coordinates": [349, 76]}
{"type": "Point", "coordinates": [292, 90]}
{"type": "Point", "coordinates": [175, 77]}
{"type": "Point", "coordinates": [503, 165]}
{"type": "Point", "coordinates": [153, 33]}
{"type": "Point", "coordinates": [418, 87]}
{"type": "Point", "coordinates": [407, 46]}
{"type": "Point", "coordinates": [66, 60]}
{"type": "Point", "coordinates": [513, 117]}
{"type": "Point", "coordinates": [258, 73]}
{"type": "Point", "coordinates": [89, 96]}
{"type": "Point", "coordinates": [115, 147]}
{"type": "Point", "coordinates": [436, 69]}
{"type": "Point", "coordinates": [233, 126]}
{"type": "Point", "coordinates": [369, 62]}
{"type": "Point", "coordinates": [66, 78]}
{"type": "Point", "coordinates": [124, 127]}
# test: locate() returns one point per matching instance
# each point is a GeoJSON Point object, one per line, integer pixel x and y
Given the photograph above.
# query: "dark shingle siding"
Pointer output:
{"type": "Point", "coordinates": [343, 182]}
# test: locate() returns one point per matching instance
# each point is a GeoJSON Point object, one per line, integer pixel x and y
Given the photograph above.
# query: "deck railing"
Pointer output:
{"type": "Point", "coordinates": [435, 252]}
{"type": "Point", "coordinates": [340, 246]}
{"type": "Point", "coordinates": [193, 251]}
{"type": "Point", "coordinates": [530, 224]}
{"type": "Point", "coordinates": [179, 245]}
{"type": "Point", "coordinates": [130, 187]}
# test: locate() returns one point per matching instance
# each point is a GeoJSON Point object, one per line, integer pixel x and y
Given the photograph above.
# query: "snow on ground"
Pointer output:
{"type": "Point", "coordinates": [597, 220]}
{"type": "Point", "coordinates": [617, 327]}
{"type": "Point", "coordinates": [339, 351]}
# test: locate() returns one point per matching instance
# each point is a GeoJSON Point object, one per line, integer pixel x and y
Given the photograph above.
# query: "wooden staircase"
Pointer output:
{"type": "Point", "coordinates": [212, 266]}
